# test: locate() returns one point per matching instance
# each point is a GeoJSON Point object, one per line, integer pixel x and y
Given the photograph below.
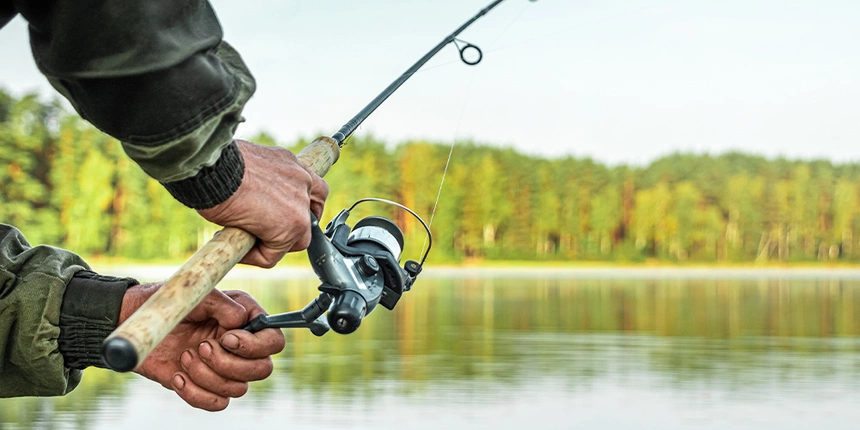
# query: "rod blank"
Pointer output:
{"type": "Point", "coordinates": [353, 124]}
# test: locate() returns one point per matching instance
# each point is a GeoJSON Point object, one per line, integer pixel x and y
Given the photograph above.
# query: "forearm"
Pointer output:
{"type": "Point", "coordinates": [159, 79]}
{"type": "Point", "coordinates": [91, 310]}
{"type": "Point", "coordinates": [54, 314]}
{"type": "Point", "coordinates": [179, 130]}
{"type": "Point", "coordinates": [177, 124]}
{"type": "Point", "coordinates": [32, 284]}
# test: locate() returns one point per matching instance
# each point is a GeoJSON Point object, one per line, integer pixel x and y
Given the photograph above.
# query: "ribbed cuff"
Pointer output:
{"type": "Point", "coordinates": [90, 312]}
{"type": "Point", "coordinates": [213, 184]}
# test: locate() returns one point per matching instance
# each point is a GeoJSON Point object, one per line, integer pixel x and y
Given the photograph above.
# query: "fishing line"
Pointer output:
{"type": "Point", "coordinates": [496, 49]}
{"type": "Point", "coordinates": [460, 119]}
{"type": "Point", "coordinates": [450, 152]}
{"type": "Point", "coordinates": [453, 143]}
{"type": "Point", "coordinates": [510, 24]}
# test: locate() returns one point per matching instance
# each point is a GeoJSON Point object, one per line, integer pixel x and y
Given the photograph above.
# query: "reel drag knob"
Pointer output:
{"type": "Point", "coordinates": [346, 313]}
{"type": "Point", "coordinates": [368, 265]}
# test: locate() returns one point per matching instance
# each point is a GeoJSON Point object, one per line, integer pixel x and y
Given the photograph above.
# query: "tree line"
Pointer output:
{"type": "Point", "coordinates": [65, 183]}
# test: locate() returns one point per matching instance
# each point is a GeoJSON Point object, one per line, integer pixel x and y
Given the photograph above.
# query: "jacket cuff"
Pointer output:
{"type": "Point", "coordinates": [90, 312]}
{"type": "Point", "coordinates": [213, 184]}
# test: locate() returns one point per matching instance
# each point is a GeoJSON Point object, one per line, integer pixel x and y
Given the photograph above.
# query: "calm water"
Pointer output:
{"type": "Point", "coordinates": [603, 349]}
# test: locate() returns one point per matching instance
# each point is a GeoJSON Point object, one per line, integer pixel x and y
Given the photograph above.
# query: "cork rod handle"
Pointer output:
{"type": "Point", "coordinates": [132, 341]}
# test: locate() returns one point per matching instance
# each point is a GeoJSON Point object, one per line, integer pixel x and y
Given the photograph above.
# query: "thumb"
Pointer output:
{"type": "Point", "coordinates": [218, 306]}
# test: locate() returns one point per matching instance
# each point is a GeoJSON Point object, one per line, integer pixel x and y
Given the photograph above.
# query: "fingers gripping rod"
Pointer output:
{"type": "Point", "coordinates": [135, 338]}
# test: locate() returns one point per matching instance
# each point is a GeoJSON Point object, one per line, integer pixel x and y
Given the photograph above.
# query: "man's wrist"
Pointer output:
{"type": "Point", "coordinates": [135, 297]}
{"type": "Point", "coordinates": [90, 312]}
{"type": "Point", "coordinates": [212, 185]}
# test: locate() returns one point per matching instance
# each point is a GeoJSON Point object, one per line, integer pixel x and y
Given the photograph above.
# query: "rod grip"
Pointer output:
{"type": "Point", "coordinates": [137, 336]}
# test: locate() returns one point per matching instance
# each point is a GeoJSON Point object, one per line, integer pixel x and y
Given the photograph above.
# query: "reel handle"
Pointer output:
{"type": "Point", "coordinates": [347, 311]}
{"type": "Point", "coordinates": [135, 338]}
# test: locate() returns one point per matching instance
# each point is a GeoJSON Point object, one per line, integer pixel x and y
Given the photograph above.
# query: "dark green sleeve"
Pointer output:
{"type": "Point", "coordinates": [7, 12]}
{"type": "Point", "coordinates": [54, 313]}
{"type": "Point", "coordinates": [156, 75]}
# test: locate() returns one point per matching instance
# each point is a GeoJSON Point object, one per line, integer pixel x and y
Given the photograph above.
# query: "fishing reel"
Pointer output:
{"type": "Point", "coordinates": [358, 269]}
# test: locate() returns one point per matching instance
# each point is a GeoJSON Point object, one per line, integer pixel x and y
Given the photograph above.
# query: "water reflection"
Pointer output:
{"type": "Point", "coordinates": [522, 352]}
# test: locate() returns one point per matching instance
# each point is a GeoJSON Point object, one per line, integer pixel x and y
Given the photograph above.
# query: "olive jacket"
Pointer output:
{"type": "Point", "coordinates": [156, 75]}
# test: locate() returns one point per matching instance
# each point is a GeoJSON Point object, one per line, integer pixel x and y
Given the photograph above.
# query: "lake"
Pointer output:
{"type": "Point", "coordinates": [520, 349]}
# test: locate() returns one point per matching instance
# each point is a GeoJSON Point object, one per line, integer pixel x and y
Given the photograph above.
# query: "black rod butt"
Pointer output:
{"type": "Point", "coordinates": [119, 354]}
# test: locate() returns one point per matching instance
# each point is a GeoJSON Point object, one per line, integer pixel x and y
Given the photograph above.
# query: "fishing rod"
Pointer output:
{"type": "Point", "coordinates": [358, 267]}
{"type": "Point", "coordinates": [346, 131]}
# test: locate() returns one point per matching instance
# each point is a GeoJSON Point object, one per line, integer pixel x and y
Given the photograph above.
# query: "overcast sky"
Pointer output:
{"type": "Point", "coordinates": [623, 81]}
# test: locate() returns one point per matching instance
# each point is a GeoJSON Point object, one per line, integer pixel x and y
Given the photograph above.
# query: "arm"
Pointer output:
{"type": "Point", "coordinates": [32, 284]}
{"type": "Point", "coordinates": [158, 77]}
{"type": "Point", "coordinates": [7, 13]}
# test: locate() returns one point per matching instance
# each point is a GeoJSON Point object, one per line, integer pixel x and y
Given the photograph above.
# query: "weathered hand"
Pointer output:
{"type": "Point", "coordinates": [272, 203]}
{"type": "Point", "coordinates": [208, 359]}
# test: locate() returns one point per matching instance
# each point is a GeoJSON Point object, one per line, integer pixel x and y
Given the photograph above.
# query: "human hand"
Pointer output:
{"type": "Point", "coordinates": [272, 203]}
{"type": "Point", "coordinates": [208, 359]}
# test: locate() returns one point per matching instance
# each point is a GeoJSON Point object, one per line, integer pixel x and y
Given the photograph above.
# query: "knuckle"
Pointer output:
{"type": "Point", "coordinates": [277, 342]}
{"type": "Point", "coordinates": [284, 152]}
{"type": "Point", "coordinates": [303, 235]}
{"type": "Point", "coordinates": [254, 260]}
{"type": "Point", "coordinates": [216, 298]}
{"type": "Point", "coordinates": [225, 364]}
{"type": "Point", "coordinates": [240, 390]}
{"type": "Point", "coordinates": [323, 189]}
{"type": "Point", "coordinates": [250, 345]}
{"type": "Point", "coordinates": [234, 389]}
{"type": "Point", "coordinates": [303, 220]}
{"type": "Point", "coordinates": [195, 371]}
{"type": "Point", "coordinates": [203, 377]}
{"type": "Point", "coordinates": [238, 294]}
{"type": "Point", "coordinates": [280, 341]}
{"type": "Point", "coordinates": [270, 342]}
{"type": "Point", "coordinates": [303, 242]}
{"type": "Point", "coordinates": [217, 403]}
{"type": "Point", "coordinates": [265, 368]}
{"type": "Point", "coordinates": [206, 401]}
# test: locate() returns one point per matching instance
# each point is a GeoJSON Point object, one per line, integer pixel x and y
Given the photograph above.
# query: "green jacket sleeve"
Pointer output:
{"type": "Point", "coordinates": [54, 314]}
{"type": "Point", "coordinates": [32, 283]}
{"type": "Point", "coordinates": [7, 12]}
{"type": "Point", "coordinates": [157, 76]}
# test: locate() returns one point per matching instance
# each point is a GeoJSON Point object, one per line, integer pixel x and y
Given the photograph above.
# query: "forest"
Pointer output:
{"type": "Point", "coordinates": [64, 183]}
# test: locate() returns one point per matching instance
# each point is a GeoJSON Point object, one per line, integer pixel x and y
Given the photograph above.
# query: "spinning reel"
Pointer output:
{"type": "Point", "coordinates": [359, 269]}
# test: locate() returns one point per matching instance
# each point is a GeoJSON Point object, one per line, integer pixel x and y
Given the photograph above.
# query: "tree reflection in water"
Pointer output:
{"type": "Point", "coordinates": [459, 340]}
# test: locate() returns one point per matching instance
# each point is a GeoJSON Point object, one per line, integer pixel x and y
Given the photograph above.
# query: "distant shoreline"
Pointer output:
{"type": "Point", "coordinates": [146, 272]}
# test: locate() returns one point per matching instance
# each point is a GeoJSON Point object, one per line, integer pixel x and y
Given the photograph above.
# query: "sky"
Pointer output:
{"type": "Point", "coordinates": [621, 81]}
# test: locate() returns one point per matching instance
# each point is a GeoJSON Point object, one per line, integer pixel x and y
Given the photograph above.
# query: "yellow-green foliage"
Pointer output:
{"type": "Point", "coordinates": [66, 184]}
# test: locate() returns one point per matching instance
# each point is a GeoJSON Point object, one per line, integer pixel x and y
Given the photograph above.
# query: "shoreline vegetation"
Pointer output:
{"type": "Point", "coordinates": [296, 265]}
{"type": "Point", "coordinates": [299, 260]}
{"type": "Point", "coordinates": [282, 272]}
{"type": "Point", "coordinates": [64, 183]}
